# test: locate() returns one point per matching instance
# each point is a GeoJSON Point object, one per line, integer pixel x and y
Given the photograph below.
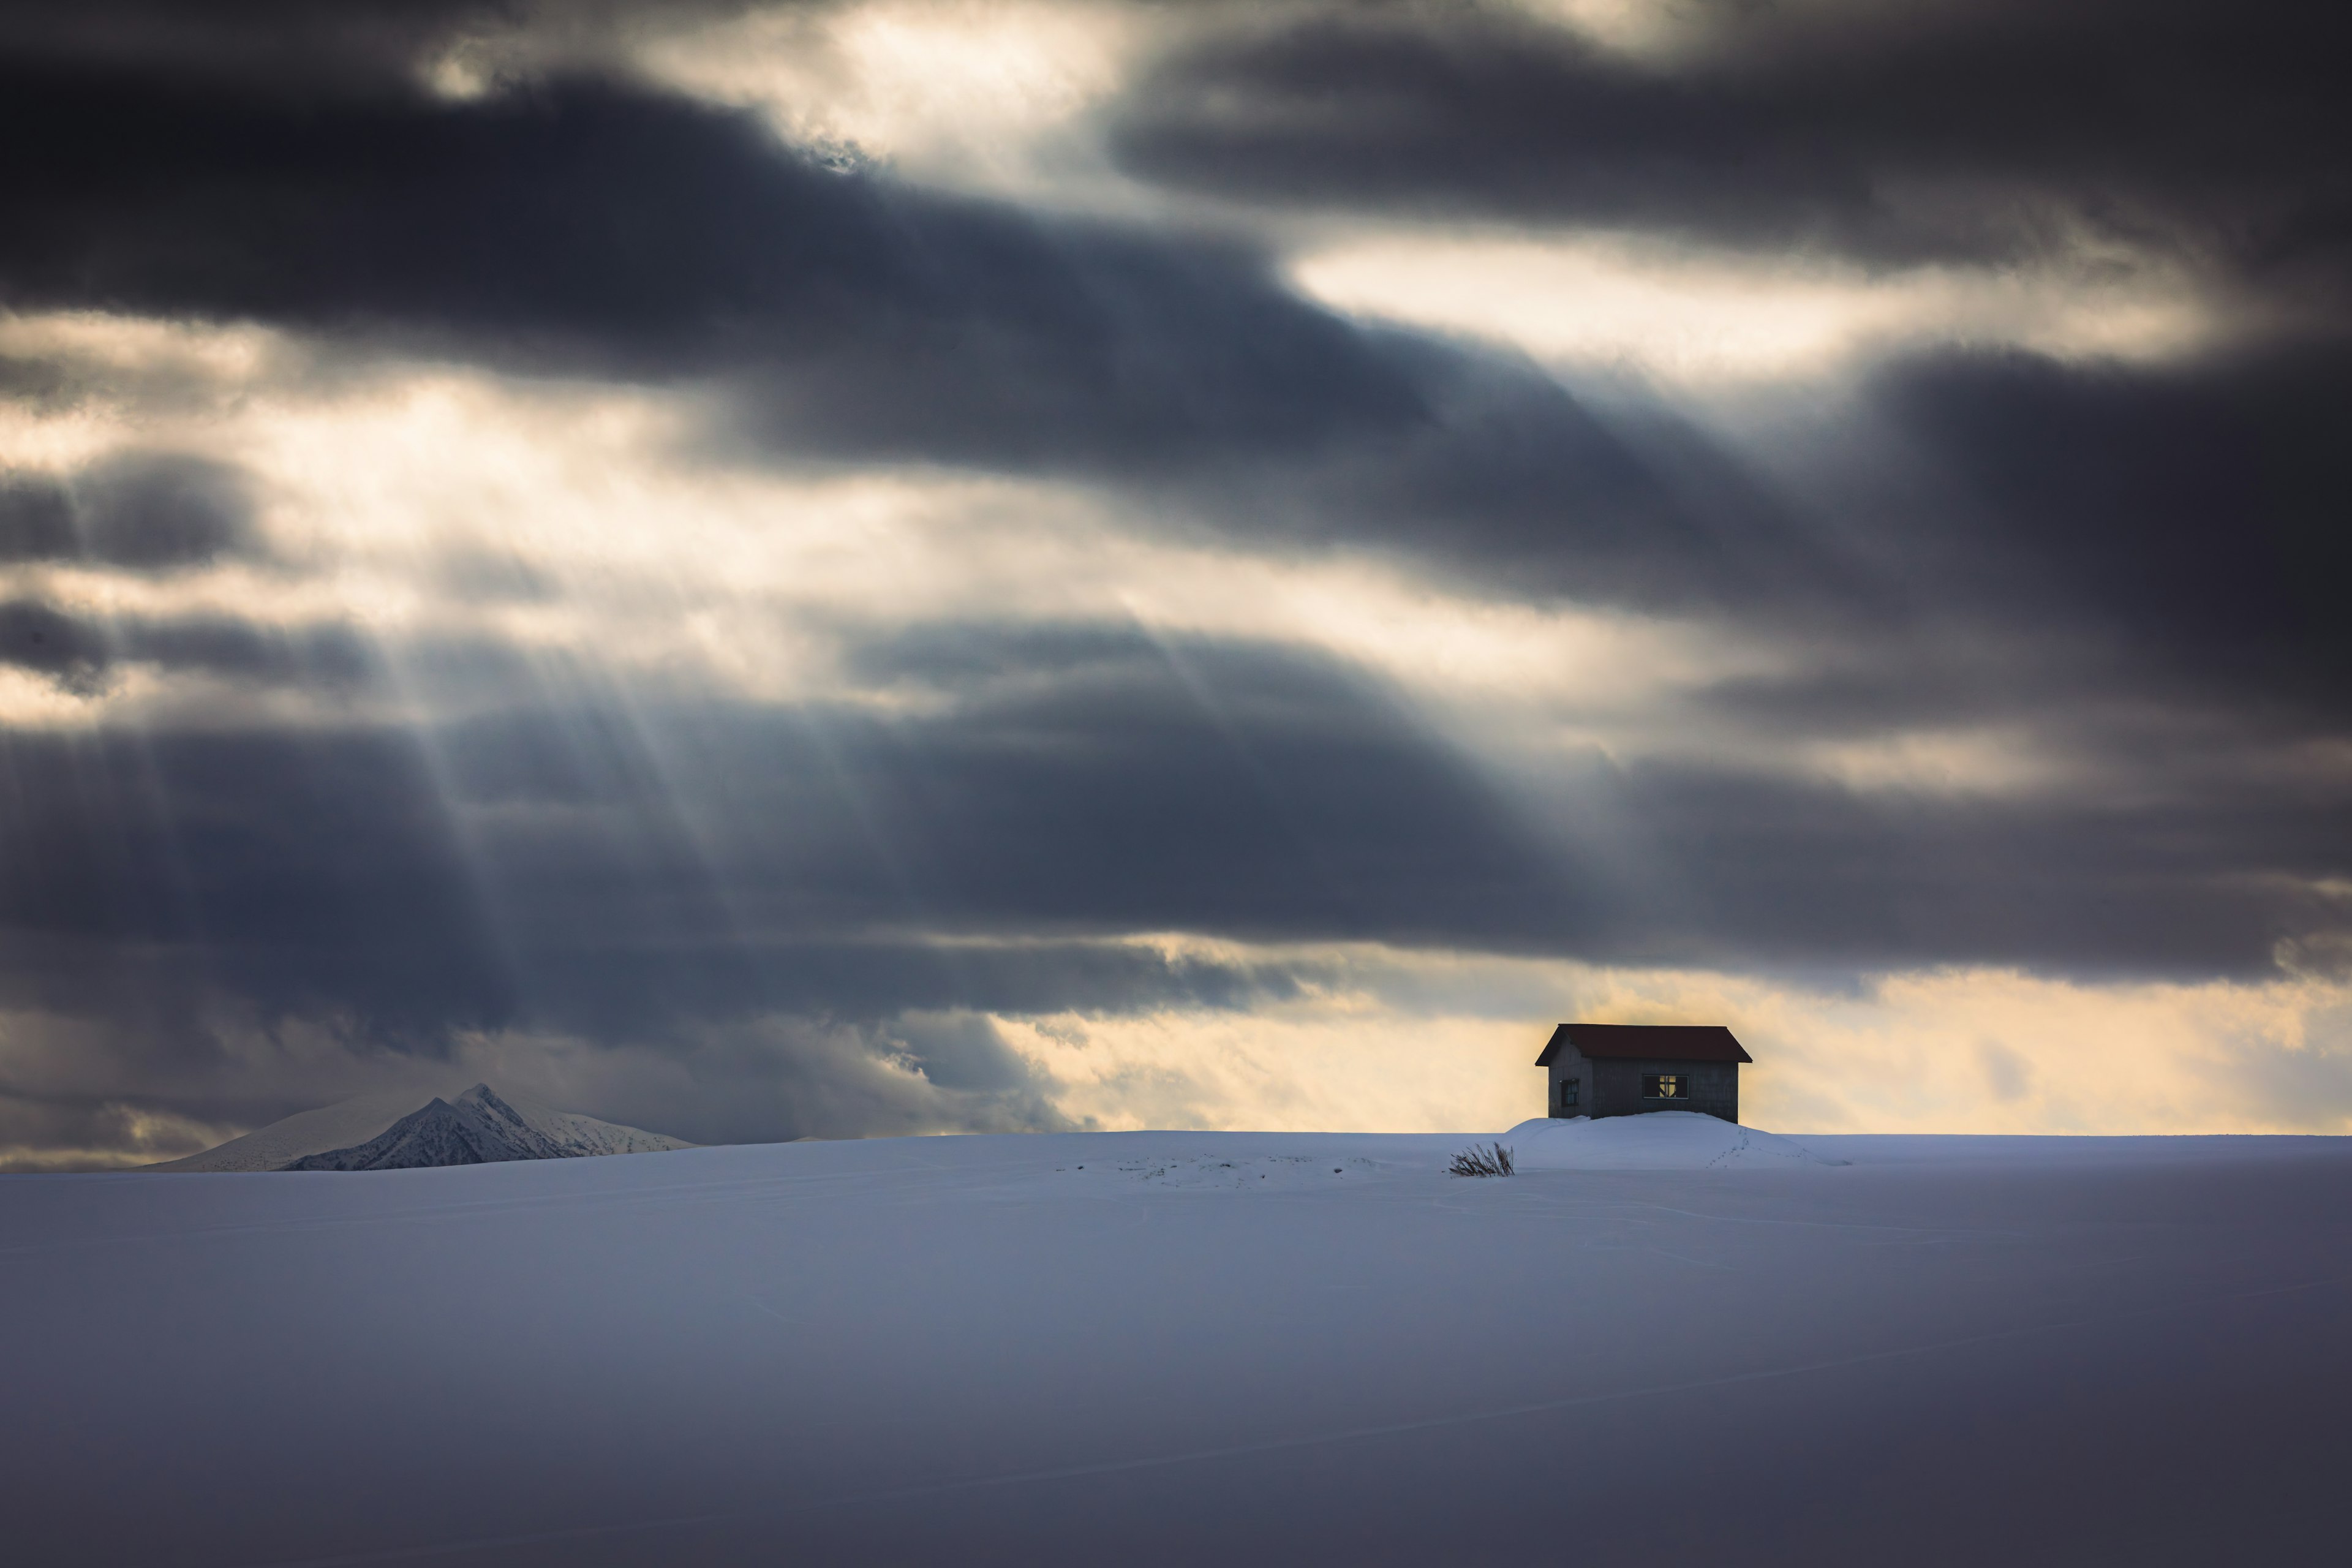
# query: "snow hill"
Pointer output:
{"type": "Point", "coordinates": [1660, 1140]}
{"type": "Point", "coordinates": [1663, 1341]}
{"type": "Point", "coordinates": [391, 1131]}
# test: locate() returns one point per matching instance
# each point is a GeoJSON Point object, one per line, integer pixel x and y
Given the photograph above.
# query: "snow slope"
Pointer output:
{"type": "Point", "coordinates": [476, 1127]}
{"type": "Point", "coordinates": [1188, 1348]}
{"type": "Point", "coordinates": [576, 1136]}
{"type": "Point", "coordinates": [1660, 1141]}
{"type": "Point", "coordinates": [270, 1148]}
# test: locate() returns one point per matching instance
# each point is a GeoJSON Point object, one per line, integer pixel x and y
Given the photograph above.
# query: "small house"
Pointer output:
{"type": "Point", "coordinates": [1623, 1069]}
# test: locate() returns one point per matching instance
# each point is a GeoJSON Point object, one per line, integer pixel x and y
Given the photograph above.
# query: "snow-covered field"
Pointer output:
{"type": "Point", "coordinates": [1666, 1341]}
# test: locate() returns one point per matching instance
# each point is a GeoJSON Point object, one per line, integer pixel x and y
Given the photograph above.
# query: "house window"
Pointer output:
{"type": "Point", "coordinates": [1664, 1086]}
{"type": "Point", "coordinates": [1568, 1094]}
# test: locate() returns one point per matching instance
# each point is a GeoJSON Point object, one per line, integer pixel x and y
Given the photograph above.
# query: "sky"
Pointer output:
{"type": "Point", "coordinates": [836, 570]}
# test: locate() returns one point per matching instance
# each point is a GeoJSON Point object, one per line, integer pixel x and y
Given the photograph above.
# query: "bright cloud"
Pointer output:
{"type": "Point", "coordinates": [1605, 302]}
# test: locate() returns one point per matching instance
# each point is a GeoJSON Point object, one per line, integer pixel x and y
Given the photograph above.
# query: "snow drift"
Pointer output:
{"type": "Point", "coordinates": [1658, 1141]}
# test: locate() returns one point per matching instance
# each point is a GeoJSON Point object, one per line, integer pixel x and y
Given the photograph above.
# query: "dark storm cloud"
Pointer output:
{"type": "Point", "coordinates": [81, 653]}
{"type": "Point", "coordinates": [583, 872]}
{"type": "Point", "coordinates": [1219, 788]}
{"type": "Point", "coordinates": [2034, 541]}
{"type": "Point", "coordinates": [1895, 133]}
{"type": "Point", "coordinates": [327, 658]}
{"type": "Point", "coordinates": [1748, 870]}
{"type": "Point", "coordinates": [160, 511]}
{"type": "Point", "coordinates": [274, 34]}
{"type": "Point", "coordinates": [36, 520]}
{"type": "Point", "coordinates": [598, 224]}
{"type": "Point", "coordinates": [70, 651]}
{"type": "Point", "coordinates": [593, 227]}
{"type": "Point", "coordinates": [316, 50]}
{"type": "Point", "coordinates": [537, 865]}
{"type": "Point", "coordinates": [1195, 787]}
{"type": "Point", "coordinates": [1513, 484]}
{"type": "Point", "coordinates": [2199, 509]}
{"type": "Point", "coordinates": [147, 512]}
{"type": "Point", "coordinates": [961, 1050]}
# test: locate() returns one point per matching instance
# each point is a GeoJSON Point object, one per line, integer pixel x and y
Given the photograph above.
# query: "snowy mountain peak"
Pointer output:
{"type": "Point", "coordinates": [479, 1127]}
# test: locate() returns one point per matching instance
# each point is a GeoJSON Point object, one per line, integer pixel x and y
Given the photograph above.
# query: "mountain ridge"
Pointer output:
{"type": "Point", "coordinates": [376, 1132]}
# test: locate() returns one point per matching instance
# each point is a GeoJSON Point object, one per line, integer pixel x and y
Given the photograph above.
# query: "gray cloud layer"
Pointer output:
{"type": "Point", "coordinates": [1895, 133]}
{"type": "Point", "coordinates": [540, 869]}
{"type": "Point", "coordinates": [592, 226]}
{"type": "Point", "coordinates": [145, 511]}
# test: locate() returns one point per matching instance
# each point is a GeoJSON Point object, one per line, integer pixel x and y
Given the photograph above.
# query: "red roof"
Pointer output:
{"type": "Point", "coordinates": [1662, 1042]}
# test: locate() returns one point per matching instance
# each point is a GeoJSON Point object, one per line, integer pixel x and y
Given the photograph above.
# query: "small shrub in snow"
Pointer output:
{"type": "Point", "coordinates": [1492, 1159]}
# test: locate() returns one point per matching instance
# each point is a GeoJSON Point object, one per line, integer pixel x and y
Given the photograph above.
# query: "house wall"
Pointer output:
{"type": "Point", "coordinates": [1613, 1087]}
{"type": "Point", "coordinates": [1569, 1063]}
